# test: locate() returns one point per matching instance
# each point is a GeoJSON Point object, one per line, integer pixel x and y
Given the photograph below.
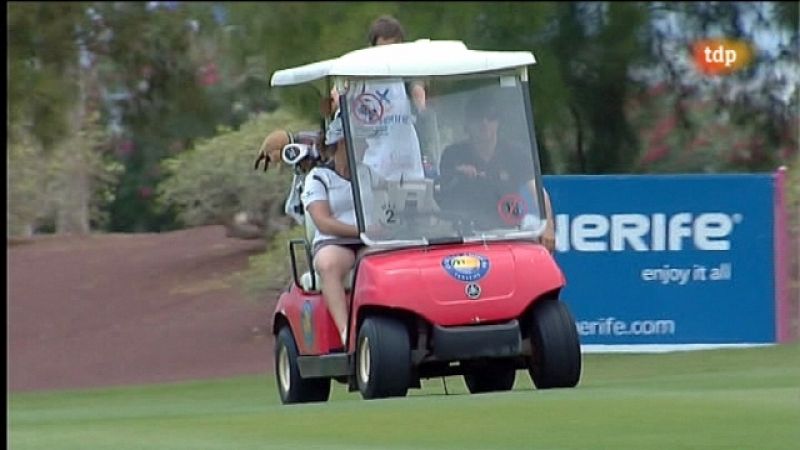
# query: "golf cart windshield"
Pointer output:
{"type": "Point", "coordinates": [462, 168]}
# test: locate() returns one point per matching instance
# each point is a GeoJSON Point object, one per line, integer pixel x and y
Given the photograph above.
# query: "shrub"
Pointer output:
{"type": "Point", "coordinates": [272, 270]}
{"type": "Point", "coordinates": [214, 181]}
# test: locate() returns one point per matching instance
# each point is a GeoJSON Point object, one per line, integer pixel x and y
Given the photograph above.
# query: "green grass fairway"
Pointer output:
{"type": "Point", "coordinates": [718, 399]}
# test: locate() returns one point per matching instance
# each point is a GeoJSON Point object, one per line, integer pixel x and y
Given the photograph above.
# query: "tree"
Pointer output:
{"type": "Point", "coordinates": [580, 82]}
{"type": "Point", "coordinates": [758, 105]}
{"type": "Point", "coordinates": [161, 103]}
{"type": "Point", "coordinates": [54, 128]}
{"type": "Point", "coordinates": [26, 176]}
{"type": "Point", "coordinates": [42, 47]}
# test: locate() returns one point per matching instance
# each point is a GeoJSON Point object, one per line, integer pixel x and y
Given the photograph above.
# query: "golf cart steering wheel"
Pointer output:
{"type": "Point", "coordinates": [464, 223]}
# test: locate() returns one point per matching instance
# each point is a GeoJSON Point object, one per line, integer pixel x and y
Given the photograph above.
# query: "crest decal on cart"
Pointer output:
{"type": "Point", "coordinates": [466, 266]}
{"type": "Point", "coordinates": [306, 318]}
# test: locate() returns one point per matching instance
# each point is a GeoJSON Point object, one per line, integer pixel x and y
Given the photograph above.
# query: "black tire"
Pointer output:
{"type": "Point", "coordinates": [292, 388]}
{"type": "Point", "coordinates": [491, 377]}
{"type": "Point", "coordinates": [383, 358]}
{"type": "Point", "coordinates": [556, 358]}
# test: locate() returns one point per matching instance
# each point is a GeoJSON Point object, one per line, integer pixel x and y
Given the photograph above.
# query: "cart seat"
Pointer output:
{"type": "Point", "coordinates": [305, 282]}
{"type": "Point", "coordinates": [306, 279]}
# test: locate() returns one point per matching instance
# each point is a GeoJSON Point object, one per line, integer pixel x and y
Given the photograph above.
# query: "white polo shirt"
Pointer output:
{"type": "Point", "coordinates": [382, 114]}
{"type": "Point", "coordinates": [324, 184]}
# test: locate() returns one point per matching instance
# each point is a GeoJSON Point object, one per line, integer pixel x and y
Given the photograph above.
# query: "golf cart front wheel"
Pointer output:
{"type": "Point", "coordinates": [292, 388]}
{"type": "Point", "coordinates": [556, 352]}
{"type": "Point", "coordinates": [383, 358]}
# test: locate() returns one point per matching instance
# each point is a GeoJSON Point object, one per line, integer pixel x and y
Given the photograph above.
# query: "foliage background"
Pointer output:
{"type": "Point", "coordinates": [145, 116]}
{"type": "Point", "coordinates": [614, 92]}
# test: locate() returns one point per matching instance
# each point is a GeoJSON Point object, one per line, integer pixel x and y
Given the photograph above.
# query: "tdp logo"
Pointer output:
{"type": "Point", "coordinates": [721, 56]}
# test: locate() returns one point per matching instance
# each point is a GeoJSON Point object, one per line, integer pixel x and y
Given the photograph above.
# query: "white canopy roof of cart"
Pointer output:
{"type": "Point", "coordinates": [420, 58]}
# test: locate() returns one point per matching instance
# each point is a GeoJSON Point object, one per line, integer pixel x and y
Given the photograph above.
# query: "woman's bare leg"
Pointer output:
{"type": "Point", "coordinates": [332, 263]}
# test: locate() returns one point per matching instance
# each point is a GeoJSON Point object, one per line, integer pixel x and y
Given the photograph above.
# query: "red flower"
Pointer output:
{"type": "Point", "coordinates": [145, 192]}
{"type": "Point", "coordinates": [209, 75]}
{"type": "Point", "coordinates": [654, 154]}
{"type": "Point", "coordinates": [663, 127]}
{"type": "Point", "coordinates": [125, 148]}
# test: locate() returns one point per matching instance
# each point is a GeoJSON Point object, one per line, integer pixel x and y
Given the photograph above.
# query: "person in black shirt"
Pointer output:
{"type": "Point", "coordinates": [479, 175]}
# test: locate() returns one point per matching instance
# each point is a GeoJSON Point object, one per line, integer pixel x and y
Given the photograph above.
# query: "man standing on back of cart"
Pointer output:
{"type": "Point", "coordinates": [384, 113]}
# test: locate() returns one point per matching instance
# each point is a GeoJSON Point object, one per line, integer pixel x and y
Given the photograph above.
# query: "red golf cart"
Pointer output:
{"type": "Point", "coordinates": [455, 281]}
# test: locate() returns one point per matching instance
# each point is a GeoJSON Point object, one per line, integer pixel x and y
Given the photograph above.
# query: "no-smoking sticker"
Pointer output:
{"type": "Point", "coordinates": [512, 209]}
{"type": "Point", "coordinates": [368, 109]}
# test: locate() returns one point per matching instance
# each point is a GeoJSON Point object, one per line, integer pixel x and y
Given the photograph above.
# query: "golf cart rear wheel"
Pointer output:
{"type": "Point", "coordinates": [292, 388]}
{"type": "Point", "coordinates": [495, 377]}
{"type": "Point", "coordinates": [383, 358]}
{"type": "Point", "coordinates": [556, 358]}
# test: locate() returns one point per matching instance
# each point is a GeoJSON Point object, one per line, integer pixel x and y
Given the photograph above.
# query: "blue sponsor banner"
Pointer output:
{"type": "Point", "coordinates": [667, 259]}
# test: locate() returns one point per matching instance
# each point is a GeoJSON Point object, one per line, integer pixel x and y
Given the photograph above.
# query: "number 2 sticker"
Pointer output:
{"type": "Point", "coordinates": [388, 214]}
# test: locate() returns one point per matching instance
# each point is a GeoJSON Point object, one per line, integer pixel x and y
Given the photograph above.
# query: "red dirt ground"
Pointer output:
{"type": "Point", "coordinates": [116, 309]}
